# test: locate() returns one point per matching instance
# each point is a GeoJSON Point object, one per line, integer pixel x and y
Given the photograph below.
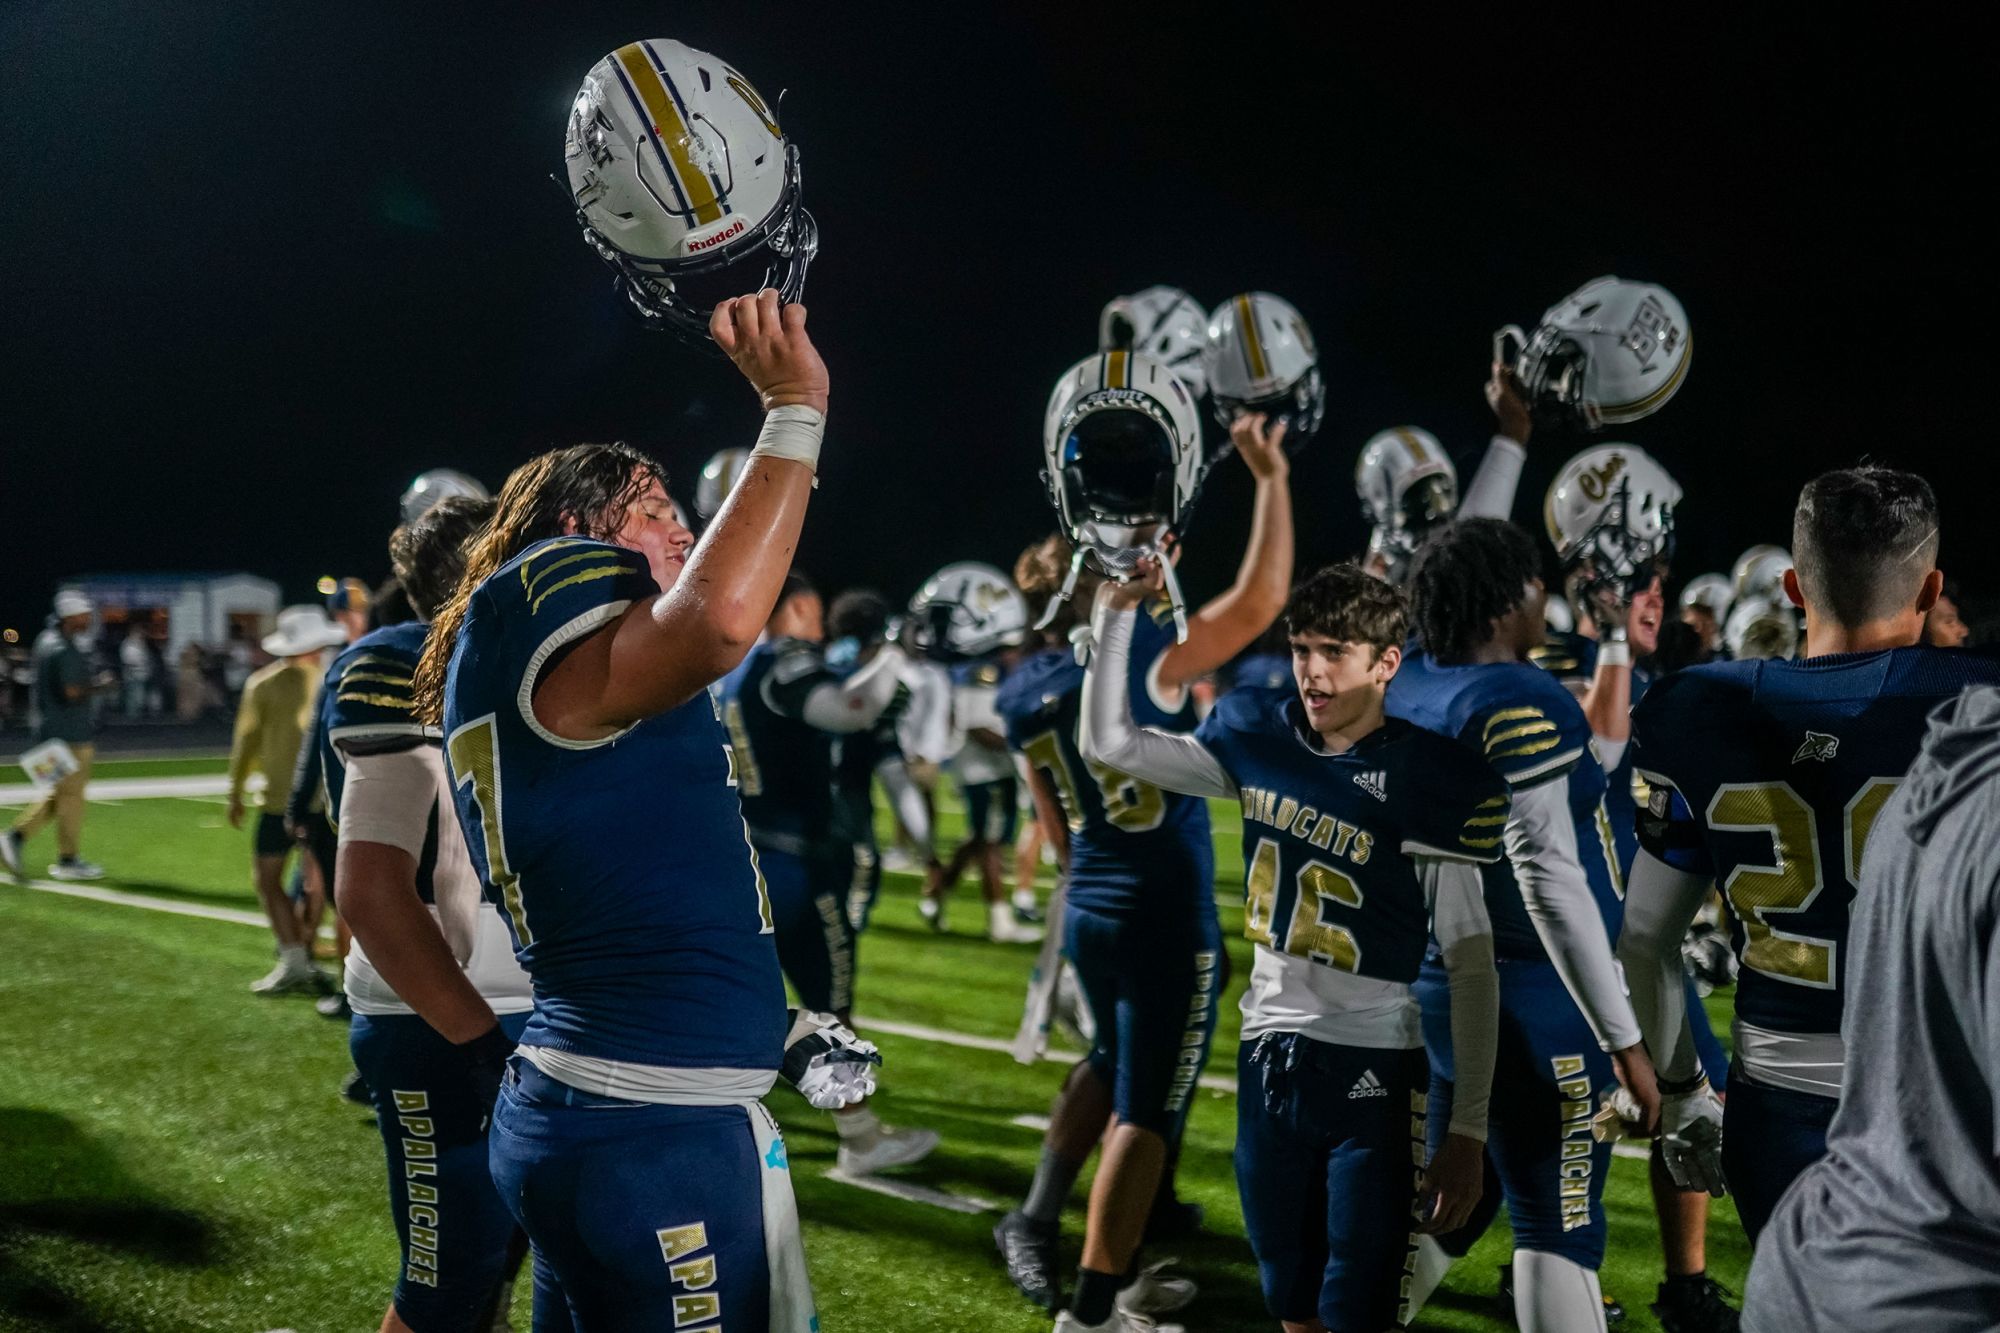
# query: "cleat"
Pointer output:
{"type": "Point", "coordinates": [932, 911]}
{"type": "Point", "coordinates": [10, 856]}
{"type": "Point", "coordinates": [1010, 932]}
{"type": "Point", "coordinates": [355, 1089]}
{"type": "Point", "coordinates": [885, 1149]}
{"type": "Point", "coordinates": [1153, 1293]}
{"type": "Point", "coordinates": [1704, 1311]}
{"type": "Point", "coordinates": [334, 1006]}
{"type": "Point", "coordinates": [1119, 1322]}
{"type": "Point", "coordinates": [1029, 1250]}
{"type": "Point", "coordinates": [76, 870]}
{"type": "Point", "coordinates": [281, 980]}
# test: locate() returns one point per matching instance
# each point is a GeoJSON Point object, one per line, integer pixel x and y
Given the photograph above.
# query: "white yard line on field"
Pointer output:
{"type": "Point", "coordinates": [113, 789]}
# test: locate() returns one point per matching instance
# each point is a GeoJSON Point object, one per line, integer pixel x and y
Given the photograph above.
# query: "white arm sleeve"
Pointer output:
{"type": "Point", "coordinates": [859, 701]}
{"type": "Point", "coordinates": [388, 798]}
{"type": "Point", "coordinates": [1458, 919]}
{"type": "Point", "coordinates": [1609, 752]}
{"type": "Point", "coordinates": [907, 800]}
{"type": "Point", "coordinates": [1109, 736]}
{"type": "Point", "coordinates": [1491, 492]}
{"type": "Point", "coordinates": [1660, 905]}
{"type": "Point", "coordinates": [1541, 843]}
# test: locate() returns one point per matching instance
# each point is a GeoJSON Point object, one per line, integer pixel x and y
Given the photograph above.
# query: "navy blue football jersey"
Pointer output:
{"type": "Point", "coordinates": [1330, 840]}
{"type": "Point", "coordinates": [855, 759]}
{"type": "Point", "coordinates": [622, 865]}
{"type": "Point", "coordinates": [784, 764]}
{"type": "Point", "coordinates": [1768, 775]}
{"type": "Point", "coordinates": [1531, 730]}
{"type": "Point", "coordinates": [1133, 847]}
{"type": "Point", "coordinates": [366, 705]}
{"type": "Point", "coordinates": [1258, 671]}
{"type": "Point", "coordinates": [1573, 658]}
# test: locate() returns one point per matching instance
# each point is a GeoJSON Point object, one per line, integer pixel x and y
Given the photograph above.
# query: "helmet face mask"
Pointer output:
{"type": "Point", "coordinates": [681, 181]}
{"type": "Point", "coordinates": [965, 611]}
{"type": "Point", "coordinates": [1610, 516]}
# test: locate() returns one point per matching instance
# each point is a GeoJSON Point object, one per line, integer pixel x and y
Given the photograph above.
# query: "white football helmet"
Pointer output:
{"type": "Point", "coordinates": [1556, 614]}
{"type": "Point", "coordinates": [435, 485]}
{"type": "Point", "coordinates": [677, 167]}
{"type": "Point", "coordinates": [1711, 592]}
{"type": "Point", "coordinates": [718, 478]}
{"type": "Point", "coordinates": [1610, 352]}
{"type": "Point", "coordinates": [965, 610]}
{"type": "Point", "coordinates": [1759, 627]}
{"type": "Point", "coordinates": [1760, 572]}
{"type": "Point", "coordinates": [1261, 358]}
{"type": "Point", "coordinates": [1408, 487]}
{"type": "Point", "coordinates": [1121, 452]}
{"type": "Point", "coordinates": [1610, 515]}
{"type": "Point", "coordinates": [1163, 323]}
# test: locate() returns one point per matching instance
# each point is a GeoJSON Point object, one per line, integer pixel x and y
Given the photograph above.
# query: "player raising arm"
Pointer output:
{"type": "Point", "coordinates": [1766, 778]}
{"type": "Point", "coordinates": [597, 793]}
{"type": "Point", "coordinates": [1364, 835]}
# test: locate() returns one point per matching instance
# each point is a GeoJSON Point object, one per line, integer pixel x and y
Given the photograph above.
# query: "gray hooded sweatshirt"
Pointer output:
{"type": "Point", "coordinates": [1898, 1226]}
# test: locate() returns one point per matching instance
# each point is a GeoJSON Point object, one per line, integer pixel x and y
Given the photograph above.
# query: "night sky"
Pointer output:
{"type": "Point", "coordinates": [259, 265]}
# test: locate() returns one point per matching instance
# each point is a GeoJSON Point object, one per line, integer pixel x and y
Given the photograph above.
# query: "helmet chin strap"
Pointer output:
{"type": "Point", "coordinates": [1112, 569]}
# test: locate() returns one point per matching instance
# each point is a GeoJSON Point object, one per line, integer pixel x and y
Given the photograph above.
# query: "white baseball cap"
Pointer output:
{"type": "Point", "coordinates": [73, 602]}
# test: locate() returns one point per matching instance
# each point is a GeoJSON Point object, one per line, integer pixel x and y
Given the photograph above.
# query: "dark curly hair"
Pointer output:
{"type": "Point", "coordinates": [858, 613]}
{"type": "Point", "coordinates": [1469, 574]}
{"type": "Point", "coordinates": [1349, 605]}
{"type": "Point", "coordinates": [428, 552]}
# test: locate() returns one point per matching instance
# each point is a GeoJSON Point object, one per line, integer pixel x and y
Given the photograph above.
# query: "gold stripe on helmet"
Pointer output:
{"type": "Point", "coordinates": [1418, 454]}
{"type": "Point", "coordinates": [672, 132]}
{"type": "Point", "coordinates": [1116, 371]}
{"type": "Point", "coordinates": [1253, 346]}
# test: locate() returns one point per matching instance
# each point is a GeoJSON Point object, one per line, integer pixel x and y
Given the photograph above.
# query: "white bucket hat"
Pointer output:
{"type": "Point", "coordinates": [71, 602]}
{"type": "Point", "coordinates": [303, 629]}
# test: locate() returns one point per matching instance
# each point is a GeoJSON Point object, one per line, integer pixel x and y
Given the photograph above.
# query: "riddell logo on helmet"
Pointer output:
{"type": "Point", "coordinates": [733, 230]}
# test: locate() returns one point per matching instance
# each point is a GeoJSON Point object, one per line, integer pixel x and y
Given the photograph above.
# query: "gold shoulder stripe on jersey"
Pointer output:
{"type": "Point", "coordinates": [672, 133]}
{"type": "Point", "coordinates": [1525, 748]}
{"type": "Point", "coordinates": [533, 586]}
{"type": "Point", "coordinates": [1494, 802]}
{"type": "Point", "coordinates": [554, 545]}
{"type": "Point", "coordinates": [400, 702]}
{"type": "Point", "coordinates": [586, 575]}
{"type": "Point", "coordinates": [1516, 733]}
{"type": "Point", "coordinates": [1501, 717]}
{"type": "Point", "coordinates": [379, 677]}
{"type": "Point", "coordinates": [1486, 820]}
{"type": "Point", "coordinates": [1479, 842]}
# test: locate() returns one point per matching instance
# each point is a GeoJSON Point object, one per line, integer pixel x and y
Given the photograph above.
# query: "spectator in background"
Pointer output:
{"type": "Point", "coordinates": [270, 725]}
{"type": "Point", "coordinates": [190, 684]}
{"type": "Point", "coordinates": [137, 665]}
{"type": "Point", "coordinates": [66, 711]}
{"type": "Point", "coordinates": [1944, 627]}
{"type": "Point", "coordinates": [348, 604]}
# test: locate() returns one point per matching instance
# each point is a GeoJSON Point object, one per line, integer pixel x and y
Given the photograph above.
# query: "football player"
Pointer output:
{"type": "Point", "coordinates": [438, 997]}
{"type": "Point", "coordinates": [784, 710]}
{"type": "Point", "coordinates": [1944, 627]}
{"type": "Point", "coordinates": [1364, 836]}
{"type": "Point", "coordinates": [1566, 1028]}
{"type": "Point", "coordinates": [1897, 1226]}
{"type": "Point", "coordinates": [858, 621]}
{"type": "Point", "coordinates": [1765, 779]}
{"type": "Point", "coordinates": [1139, 921]}
{"type": "Point", "coordinates": [1611, 513]}
{"type": "Point", "coordinates": [594, 783]}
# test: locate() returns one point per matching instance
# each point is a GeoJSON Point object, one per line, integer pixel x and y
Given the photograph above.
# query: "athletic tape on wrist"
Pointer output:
{"type": "Point", "coordinates": [1616, 653]}
{"type": "Point", "coordinates": [793, 432]}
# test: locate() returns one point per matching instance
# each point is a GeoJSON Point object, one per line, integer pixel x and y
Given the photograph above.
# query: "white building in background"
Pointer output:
{"type": "Point", "coordinates": [181, 608]}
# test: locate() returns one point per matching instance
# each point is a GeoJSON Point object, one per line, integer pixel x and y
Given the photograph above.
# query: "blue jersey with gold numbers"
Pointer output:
{"type": "Point", "coordinates": [784, 764]}
{"type": "Point", "coordinates": [1133, 848]}
{"type": "Point", "coordinates": [621, 865]}
{"type": "Point", "coordinates": [1768, 775]}
{"type": "Point", "coordinates": [1330, 840]}
{"type": "Point", "coordinates": [1531, 730]}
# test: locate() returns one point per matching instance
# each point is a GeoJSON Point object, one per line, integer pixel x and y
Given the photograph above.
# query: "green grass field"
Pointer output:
{"type": "Point", "coordinates": [173, 1154]}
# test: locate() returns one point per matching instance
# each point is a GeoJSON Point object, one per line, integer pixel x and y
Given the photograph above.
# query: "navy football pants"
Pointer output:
{"type": "Point", "coordinates": [809, 915]}
{"type": "Point", "coordinates": [1769, 1137]}
{"type": "Point", "coordinates": [1152, 987]}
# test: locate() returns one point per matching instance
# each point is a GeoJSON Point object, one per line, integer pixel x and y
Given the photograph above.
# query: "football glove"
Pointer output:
{"type": "Point", "coordinates": [1618, 1117]}
{"type": "Point", "coordinates": [1707, 953]}
{"type": "Point", "coordinates": [486, 1059]}
{"type": "Point", "coordinates": [829, 1065]}
{"type": "Point", "coordinates": [1691, 1138]}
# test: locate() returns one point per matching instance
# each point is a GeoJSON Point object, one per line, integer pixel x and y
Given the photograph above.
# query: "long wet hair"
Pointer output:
{"type": "Point", "coordinates": [586, 487]}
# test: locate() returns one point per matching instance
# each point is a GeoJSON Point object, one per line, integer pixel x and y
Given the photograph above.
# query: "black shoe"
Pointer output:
{"type": "Point", "coordinates": [355, 1088]}
{"type": "Point", "coordinates": [334, 1006]}
{"type": "Point", "coordinates": [1690, 1307]}
{"type": "Point", "coordinates": [1173, 1219]}
{"type": "Point", "coordinates": [1614, 1309]}
{"type": "Point", "coordinates": [1028, 1248]}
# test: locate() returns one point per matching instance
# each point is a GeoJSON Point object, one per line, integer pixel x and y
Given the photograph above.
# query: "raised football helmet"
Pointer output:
{"type": "Point", "coordinates": [1408, 487]}
{"type": "Point", "coordinates": [435, 485]}
{"type": "Point", "coordinates": [1711, 592]}
{"type": "Point", "coordinates": [1760, 627]}
{"type": "Point", "coordinates": [1261, 358]}
{"type": "Point", "coordinates": [677, 168]}
{"type": "Point", "coordinates": [1163, 323]}
{"type": "Point", "coordinates": [1610, 515]}
{"type": "Point", "coordinates": [965, 610]}
{"type": "Point", "coordinates": [1611, 351]}
{"type": "Point", "coordinates": [1121, 452]}
{"type": "Point", "coordinates": [718, 479]}
{"type": "Point", "coordinates": [1760, 572]}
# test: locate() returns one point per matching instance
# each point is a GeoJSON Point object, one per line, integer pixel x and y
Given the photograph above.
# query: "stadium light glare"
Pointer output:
{"type": "Point", "coordinates": [327, 584]}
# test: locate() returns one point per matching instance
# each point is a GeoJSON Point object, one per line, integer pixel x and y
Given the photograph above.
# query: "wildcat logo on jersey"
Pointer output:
{"type": "Point", "coordinates": [1817, 745]}
{"type": "Point", "coordinates": [1375, 782]}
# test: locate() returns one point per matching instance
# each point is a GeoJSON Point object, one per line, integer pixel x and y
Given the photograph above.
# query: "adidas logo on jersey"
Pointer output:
{"type": "Point", "coordinates": [1375, 782]}
{"type": "Point", "coordinates": [1367, 1085]}
{"type": "Point", "coordinates": [1817, 745]}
